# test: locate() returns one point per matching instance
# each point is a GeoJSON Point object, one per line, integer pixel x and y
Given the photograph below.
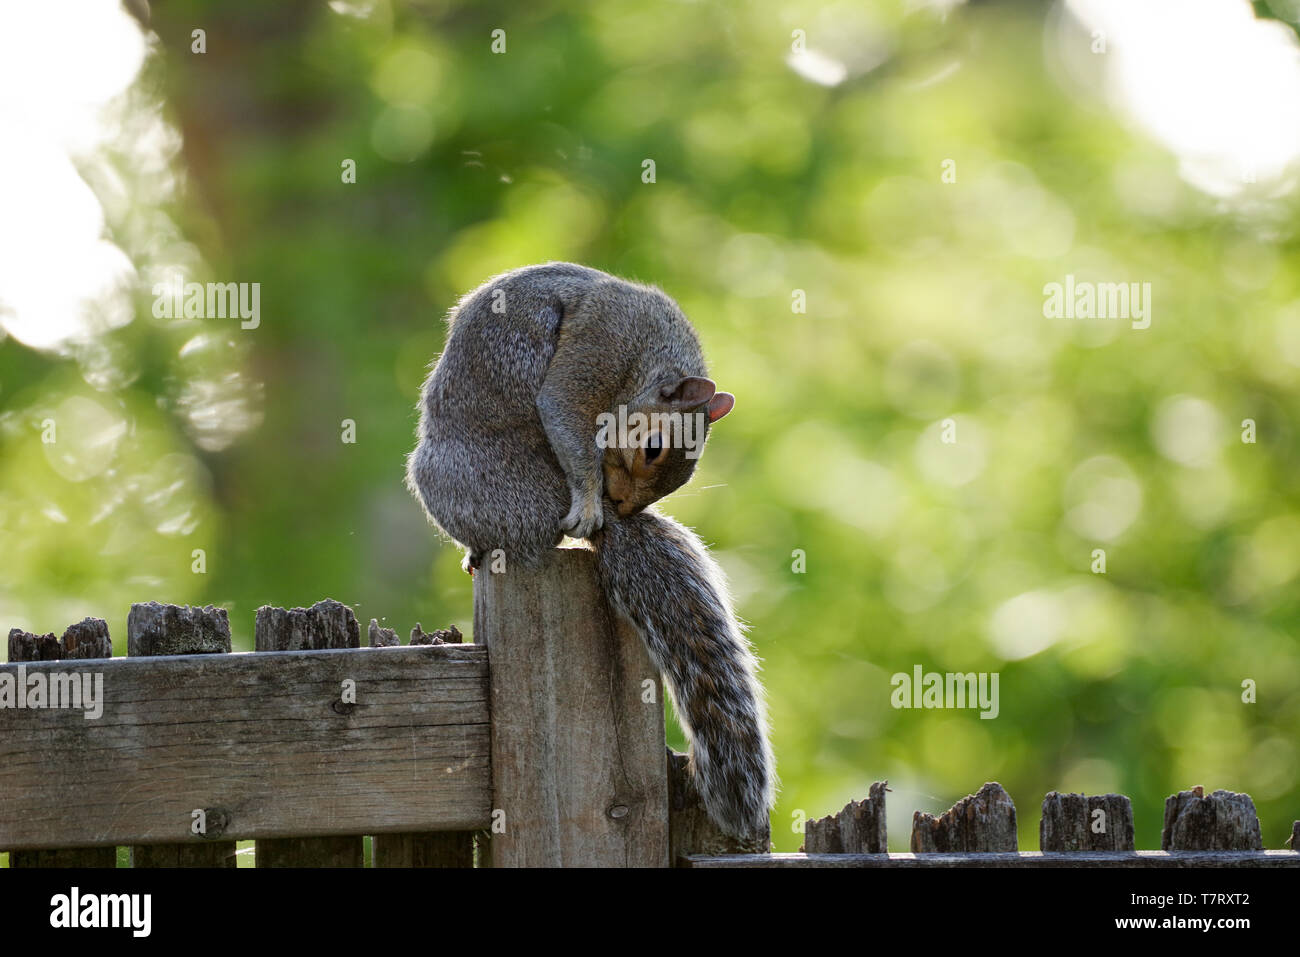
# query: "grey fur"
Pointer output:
{"type": "Point", "coordinates": [658, 575]}
{"type": "Point", "coordinates": [506, 459]}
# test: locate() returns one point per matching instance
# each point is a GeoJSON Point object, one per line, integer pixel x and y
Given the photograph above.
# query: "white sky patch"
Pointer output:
{"type": "Point", "coordinates": [63, 63]}
{"type": "Point", "coordinates": [1216, 86]}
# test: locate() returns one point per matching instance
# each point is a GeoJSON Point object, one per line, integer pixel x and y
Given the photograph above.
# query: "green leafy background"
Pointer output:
{"type": "Point", "coordinates": [924, 303]}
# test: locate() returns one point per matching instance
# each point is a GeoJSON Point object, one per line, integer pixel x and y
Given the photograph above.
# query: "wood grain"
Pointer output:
{"type": "Point", "coordinates": [325, 625]}
{"type": "Point", "coordinates": [434, 849]}
{"type": "Point", "coordinates": [86, 639]}
{"type": "Point", "coordinates": [1070, 822]}
{"type": "Point", "coordinates": [259, 738]}
{"type": "Point", "coordinates": [154, 629]}
{"type": "Point", "coordinates": [1222, 821]}
{"type": "Point", "coordinates": [447, 849]}
{"type": "Point", "coordinates": [984, 821]}
{"type": "Point", "coordinates": [858, 829]}
{"type": "Point", "coordinates": [577, 753]}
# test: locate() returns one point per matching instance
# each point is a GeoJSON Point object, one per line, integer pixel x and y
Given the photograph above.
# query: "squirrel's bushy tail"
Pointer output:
{"type": "Point", "coordinates": [659, 576]}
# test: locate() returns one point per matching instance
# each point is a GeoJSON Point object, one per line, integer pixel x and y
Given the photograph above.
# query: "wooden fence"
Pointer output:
{"type": "Point", "coordinates": [1076, 830]}
{"type": "Point", "coordinates": [542, 744]}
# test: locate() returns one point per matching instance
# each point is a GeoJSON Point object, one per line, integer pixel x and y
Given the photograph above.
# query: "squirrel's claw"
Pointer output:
{"type": "Point", "coordinates": [584, 518]}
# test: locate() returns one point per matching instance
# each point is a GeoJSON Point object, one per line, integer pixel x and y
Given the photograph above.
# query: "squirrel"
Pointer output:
{"type": "Point", "coordinates": [511, 455]}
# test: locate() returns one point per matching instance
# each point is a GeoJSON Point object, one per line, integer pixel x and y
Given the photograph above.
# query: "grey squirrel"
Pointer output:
{"type": "Point", "coordinates": [510, 456]}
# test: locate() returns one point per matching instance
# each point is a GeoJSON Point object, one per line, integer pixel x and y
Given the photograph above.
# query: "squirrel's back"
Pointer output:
{"type": "Point", "coordinates": [483, 467]}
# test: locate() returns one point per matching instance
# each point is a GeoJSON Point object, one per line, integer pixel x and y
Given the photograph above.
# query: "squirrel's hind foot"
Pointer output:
{"type": "Point", "coordinates": [471, 561]}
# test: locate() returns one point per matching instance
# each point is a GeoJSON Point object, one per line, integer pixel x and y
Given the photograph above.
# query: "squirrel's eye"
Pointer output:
{"type": "Point", "coordinates": [653, 448]}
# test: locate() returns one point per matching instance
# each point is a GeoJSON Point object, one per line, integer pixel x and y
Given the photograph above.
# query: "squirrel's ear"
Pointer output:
{"type": "Point", "coordinates": [720, 405]}
{"type": "Point", "coordinates": [688, 393]}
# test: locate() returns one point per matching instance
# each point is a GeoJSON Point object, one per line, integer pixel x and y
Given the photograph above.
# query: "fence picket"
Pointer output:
{"type": "Point", "coordinates": [434, 848]}
{"type": "Point", "coordinates": [151, 630]}
{"type": "Point", "coordinates": [1222, 821]}
{"type": "Point", "coordinates": [86, 639]}
{"type": "Point", "coordinates": [983, 821]}
{"type": "Point", "coordinates": [325, 625]}
{"type": "Point", "coordinates": [858, 829]}
{"type": "Point", "coordinates": [1082, 822]}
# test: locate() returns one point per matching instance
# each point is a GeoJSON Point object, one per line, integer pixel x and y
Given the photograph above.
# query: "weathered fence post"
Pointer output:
{"type": "Point", "coordinates": [326, 624]}
{"type": "Point", "coordinates": [86, 639]}
{"type": "Point", "coordinates": [1082, 822]}
{"type": "Point", "coordinates": [154, 629]}
{"type": "Point", "coordinates": [577, 721]}
{"type": "Point", "coordinates": [690, 829]}
{"type": "Point", "coordinates": [983, 821]}
{"type": "Point", "coordinates": [1222, 821]}
{"type": "Point", "coordinates": [858, 829]}
{"type": "Point", "coordinates": [436, 848]}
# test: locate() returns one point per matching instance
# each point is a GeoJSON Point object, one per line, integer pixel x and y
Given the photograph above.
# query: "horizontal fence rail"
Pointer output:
{"type": "Point", "coordinates": [265, 745]}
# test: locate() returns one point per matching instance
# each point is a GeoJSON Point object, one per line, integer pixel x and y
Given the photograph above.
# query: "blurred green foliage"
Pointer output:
{"type": "Point", "coordinates": [924, 303]}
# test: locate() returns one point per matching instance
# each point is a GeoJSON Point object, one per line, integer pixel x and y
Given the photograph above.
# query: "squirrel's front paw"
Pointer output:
{"type": "Point", "coordinates": [584, 517]}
